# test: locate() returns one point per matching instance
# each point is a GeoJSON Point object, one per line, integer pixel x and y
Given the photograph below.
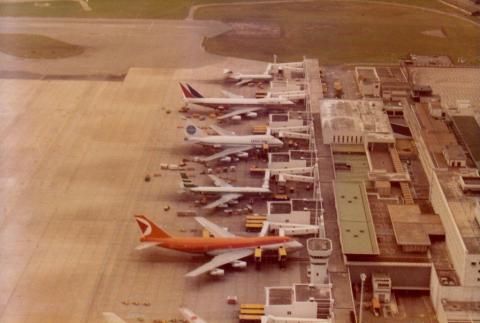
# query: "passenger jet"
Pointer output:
{"type": "Point", "coordinates": [233, 144]}
{"type": "Point", "coordinates": [227, 192]}
{"type": "Point", "coordinates": [238, 103]}
{"type": "Point", "coordinates": [266, 76]}
{"type": "Point", "coordinates": [225, 247]}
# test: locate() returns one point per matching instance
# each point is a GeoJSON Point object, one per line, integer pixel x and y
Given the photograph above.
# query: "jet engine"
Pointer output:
{"type": "Point", "coordinates": [252, 115]}
{"type": "Point", "coordinates": [242, 155]}
{"type": "Point", "coordinates": [217, 272]}
{"type": "Point", "coordinates": [226, 159]}
{"type": "Point", "coordinates": [239, 264]}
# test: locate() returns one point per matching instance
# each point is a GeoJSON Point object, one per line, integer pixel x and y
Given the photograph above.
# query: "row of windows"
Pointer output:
{"type": "Point", "coordinates": [347, 139]}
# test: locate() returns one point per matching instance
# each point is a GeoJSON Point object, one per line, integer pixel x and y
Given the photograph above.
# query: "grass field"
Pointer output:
{"type": "Point", "coordinates": [160, 9]}
{"type": "Point", "coordinates": [340, 32]}
{"type": "Point", "coordinates": [36, 46]}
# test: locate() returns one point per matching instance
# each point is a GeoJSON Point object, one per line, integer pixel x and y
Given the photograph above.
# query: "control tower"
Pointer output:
{"type": "Point", "coordinates": [319, 250]}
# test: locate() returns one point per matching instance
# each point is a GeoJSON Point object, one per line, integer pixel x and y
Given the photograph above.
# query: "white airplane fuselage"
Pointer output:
{"type": "Point", "coordinates": [289, 245]}
{"type": "Point", "coordinates": [230, 189]}
{"type": "Point", "coordinates": [253, 77]}
{"type": "Point", "coordinates": [233, 141]}
{"type": "Point", "coordinates": [241, 102]}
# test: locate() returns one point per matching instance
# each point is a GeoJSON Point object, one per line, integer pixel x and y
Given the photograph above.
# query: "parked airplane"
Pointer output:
{"type": "Point", "coordinates": [238, 103]}
{"type": "Point", "coordinates": [242, 79]}
{"type": "Point", "coordinates": [225, 247]}
{"type": "Point", "coordinates": [190, 316]}
{"type": "Point", "coordinates": [232, 143]}
{"type": "Point", "coordinates": [266, 76]}
{"type": "Point", "coordinates": [227, 192]}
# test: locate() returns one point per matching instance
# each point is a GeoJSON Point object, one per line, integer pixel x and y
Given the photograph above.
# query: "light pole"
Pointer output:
{"type": "Point", "coordinates": [362, 278]}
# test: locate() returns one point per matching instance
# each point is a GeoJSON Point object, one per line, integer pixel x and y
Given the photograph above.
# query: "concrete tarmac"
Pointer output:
{"type": "Point", "coordinates": [74, 154]}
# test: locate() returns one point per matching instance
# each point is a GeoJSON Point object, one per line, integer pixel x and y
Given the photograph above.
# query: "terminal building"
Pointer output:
{"type": "Point", "coordinates": [312, 302]}
{"type": "Point", "coordinates": [406, 198]}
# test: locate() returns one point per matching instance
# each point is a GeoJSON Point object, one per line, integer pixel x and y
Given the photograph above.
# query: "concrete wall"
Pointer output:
{"type": "Point", "coordinates": [458, 253]}
{"type": "Point", "coordinates": [452, 293]}
{"type": "Point", "coordinates": [303, 309]}
{"type": "Point", "coordinates": [456, 247]}
{"type": "Point", "coordinates": [404, 275]}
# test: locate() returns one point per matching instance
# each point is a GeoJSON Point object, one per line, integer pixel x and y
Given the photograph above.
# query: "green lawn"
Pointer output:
{"type": "Point", "coordinates": [159, 9]}
{"type": "Point", "coordinates": [342, 32]}
{"type": "Point", "coordinates": [147, 9]}
{"type": "Point", "coordinates": [36, 46]}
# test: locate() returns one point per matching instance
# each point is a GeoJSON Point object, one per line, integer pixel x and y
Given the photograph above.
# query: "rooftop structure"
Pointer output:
{"type": "Point", "coordinates": [457, 209]}
{"type": "Point", "coordinates": [455, 156]}
{"type": "Point", "coordinates": [412, 228]}
{"type": "Point", "coordinates": [469, 131]}
{"type": "Point", "coordinates": [457, 311]}
{"type": "Point", "coordinates": [393, 82]}
{"type": "Point", "coordinates": [300, 300]}
{"type": "Point", "coordinates": [290, 119]}
{"type": "Point", "coordinates": [290, 159]}
{"type": "Point", "coordinates": [424, 60]}
{"type": "Point", "coordinates": [355, 122]}
{"type": "Point", "coordinates": [357, 232]}
{"type": "Point", "coordinates": [297, 211]}
{"type": "Point", "coordinates": [368, 81]}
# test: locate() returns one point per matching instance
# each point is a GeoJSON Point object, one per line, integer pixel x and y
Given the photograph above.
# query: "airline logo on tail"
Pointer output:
{"type": "Point", "coordinates": [190, 92]}
{"type": "Point", "coordinates": [149, 229]}
{"type": "Point", "coordinates": [144, 225]}
{"type": "Point", "coordinates": [192, 130]}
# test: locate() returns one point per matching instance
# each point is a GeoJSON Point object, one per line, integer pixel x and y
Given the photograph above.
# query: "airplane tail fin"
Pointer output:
{"type": "Point", "coordinates": [150, 229]}
{"type": "Point", "coordinates": [185, 91]}
{"type": "Point", "coordinates": [227, 72]}
{"type": "Point", "coordinates": [192, 130]}
{"type": "Point", "coordinates": [194, 92]}
{"type": "Point", "coordinates": [186, 181]}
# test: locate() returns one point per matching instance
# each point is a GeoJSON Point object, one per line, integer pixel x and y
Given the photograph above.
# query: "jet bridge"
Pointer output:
{"type": "Point", "coordinates": [290, 229]}
{"type": "Point", "coordinates": [291, 159]}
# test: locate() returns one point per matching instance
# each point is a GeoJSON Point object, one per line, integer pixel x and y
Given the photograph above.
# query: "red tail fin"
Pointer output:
{"type": "Point", "coordinates": [186, 92]}
{"type": "Point", "coordinates": [194, 92]}
{"type": "Point", "coordinates": [149, 229]}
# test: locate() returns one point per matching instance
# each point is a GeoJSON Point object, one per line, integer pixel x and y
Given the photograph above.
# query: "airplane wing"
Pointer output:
{"type": "Point", "coordinates": [146, 245]}
{"type": "Point", "coordinates": [213, 228]}
{"type": "Point", "coordinates": [218, 181]}
{"type": "Point", "coordinates": [237, 112]}
{"type": "Point", "coordinates": [225, 152]}
{"type": "Point", "coordinates": [220, 260]}
{"type": "Point", "coordinates": [224, 199]}
{"type": "Point", "coordinates": [190, 317]}
{"type": "Point", "coordinates": [221, 131]}
{"type": "Point", "coordinates": [112, 318]}
{"type": "Point", "coordinates": [232, 95]}
{"type": "Point", "coordinates": [243, 82]}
